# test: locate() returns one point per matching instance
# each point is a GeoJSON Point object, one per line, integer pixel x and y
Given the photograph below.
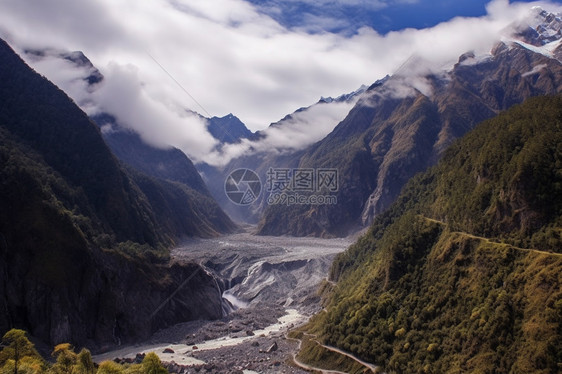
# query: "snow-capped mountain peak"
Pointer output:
{"type": "Point", "coordinates": [540, 28]}
{"type": "Point", "coordinates": [540, 32]}
{"type": "Point", "coordinates": [344, 97]}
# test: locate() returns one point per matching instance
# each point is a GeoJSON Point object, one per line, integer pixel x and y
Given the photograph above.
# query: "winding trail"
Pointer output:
{"type": "Point", "coordinates": [332, 349]}
{"type": "Point", "coordinates": [357, 359]}
{"type": "Point", "coordinates": [488, 240]}
{"type": "Point", "coordinates": [370, 366]}
{"type": "Point", "coordinates": [307, 367]}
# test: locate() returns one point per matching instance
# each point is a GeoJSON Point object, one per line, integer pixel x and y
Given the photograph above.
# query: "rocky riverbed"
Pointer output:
{"type": "Point", "coordinates": [258, 270]}
{"type": "Point", "coordinates": [271, 286]}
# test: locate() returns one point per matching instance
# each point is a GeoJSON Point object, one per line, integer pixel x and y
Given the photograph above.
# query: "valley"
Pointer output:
{"type": "Point", "coordinates": [269, 284]}
{"type": "Point", "coordinates": [419, 228]}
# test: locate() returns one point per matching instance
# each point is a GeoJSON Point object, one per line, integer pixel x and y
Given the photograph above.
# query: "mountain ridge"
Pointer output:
{"type": "Point", "coordinates": [81, 246]}
{"type": "Point", "coordinates": [387, 142]}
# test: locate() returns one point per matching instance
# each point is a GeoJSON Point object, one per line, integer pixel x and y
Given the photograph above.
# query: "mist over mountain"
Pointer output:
{"type": "Point", "coordinates": [83, 241]}
{"type": "Point", "coordinates": [113, 175]}
{"type": "Point", "coordinates": [278, 146]}
{"type": "Point", "coordinates": [403, 124]}
{"type": "Point", "coordinates": [235, 145]}
{"type": "Point", "coordinates": [171, 172]}
{"type": "Point", "coordinates": [376, 140]}
{"type": "Point", "coordinates": [169, 180]}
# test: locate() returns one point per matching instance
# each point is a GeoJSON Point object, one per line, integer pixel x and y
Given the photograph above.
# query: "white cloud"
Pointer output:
{"type": "Point", "coordinates": [228, 56]}
{"type": "Point", "coordinates": [59, 69]}
{"type": "Point", "coordinates": [301, 129]}
{"type": "Point", "coordinates": [160, 124]}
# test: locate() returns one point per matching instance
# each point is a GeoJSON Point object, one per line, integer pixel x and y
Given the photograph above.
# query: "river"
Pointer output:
{"type": "Point", "coordinates": [270, 282]}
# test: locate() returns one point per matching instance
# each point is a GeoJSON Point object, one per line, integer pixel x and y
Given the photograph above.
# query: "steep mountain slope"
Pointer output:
{"type": "Point", "coordinates": [170, 181]}
{"type": "Point", "coordinates": [402, 125]}
{"type": "Point", "coordinates": [461, 274]}
{"type": "Point", "coordinates": [173, 175]}
{"type": "Point", "coordinates": [82, 247]}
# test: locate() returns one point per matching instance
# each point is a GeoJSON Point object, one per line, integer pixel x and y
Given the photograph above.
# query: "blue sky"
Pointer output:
{"type": "Point", "coordinates": [259, 60]}
{"type": "Point", "coordinates": [347, 16]}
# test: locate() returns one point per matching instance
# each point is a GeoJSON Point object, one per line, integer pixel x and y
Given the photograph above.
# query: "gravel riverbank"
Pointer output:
{"type": "Point", "coordinates": [274, 279]}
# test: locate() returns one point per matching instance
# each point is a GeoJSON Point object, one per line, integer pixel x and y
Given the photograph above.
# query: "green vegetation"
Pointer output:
{"type": "Point", "coordinates": [504, 180]}
{"type": "Point", "coordinates": [461, 274]}
{"type": "Point", "coordinates": [20, 356]}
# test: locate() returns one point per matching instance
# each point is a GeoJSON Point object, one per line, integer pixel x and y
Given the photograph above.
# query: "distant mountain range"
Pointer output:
{"type": "Point", "coordinates": [262, 150]}
{"type": "Point", "coordinates": [402, 125]}
{"type": "Point", "coordinates": [385, 133]}
{"type": "Point", "coordinates": [397, 127]}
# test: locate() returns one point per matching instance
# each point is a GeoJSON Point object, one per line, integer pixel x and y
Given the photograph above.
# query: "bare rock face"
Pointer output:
{"type": "Point", "coordinates": [106, 301]}
{"type": "Point", "coordinates": [401, 127]}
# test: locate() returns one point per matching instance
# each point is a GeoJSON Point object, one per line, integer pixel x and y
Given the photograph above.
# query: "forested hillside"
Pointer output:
{"type": "Point", "coordinates": [464, 272]}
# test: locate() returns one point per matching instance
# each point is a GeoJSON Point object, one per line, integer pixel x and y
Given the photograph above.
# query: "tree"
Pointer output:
{"type": "Point", "coordinates": [152, 365]}
{"type": "Point", "coordinates": [66, 359]}
{"type": "Point", "coordinates": [110, 367]}
{"type": "Point", "coordinates": [16, 347]}
{"type": "Point", "coordinates": [84, 362]}
{"type": "Point", "coordinates": [27, 365]}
